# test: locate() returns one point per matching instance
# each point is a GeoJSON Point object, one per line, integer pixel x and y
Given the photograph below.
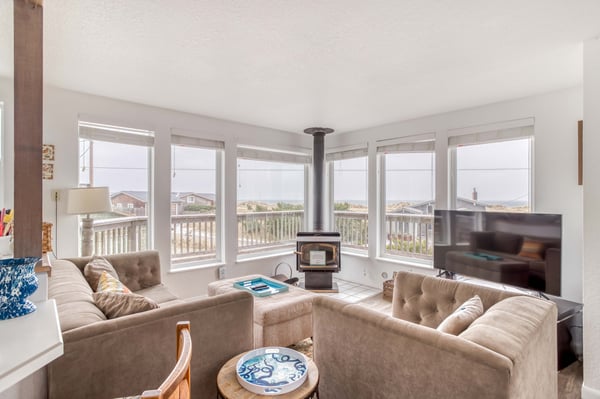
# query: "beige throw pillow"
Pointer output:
{"type": "Point", "coordinates": [115, 304]}
{"type": "Point", "coordinates": [462, 317]}
{"type": "Point", "coordinates": [93, 270]}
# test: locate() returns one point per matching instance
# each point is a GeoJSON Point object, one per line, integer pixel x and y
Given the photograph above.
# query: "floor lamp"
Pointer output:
{"type": "Point", "coordinates": [85, 201]}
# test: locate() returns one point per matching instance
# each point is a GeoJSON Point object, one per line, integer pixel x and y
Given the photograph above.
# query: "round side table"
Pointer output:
{"type": "Point", "coordinates": [228, 386]}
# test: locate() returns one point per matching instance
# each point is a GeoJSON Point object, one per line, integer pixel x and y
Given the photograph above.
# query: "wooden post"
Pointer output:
{"type": "Point", "coordinates": [28, 81]}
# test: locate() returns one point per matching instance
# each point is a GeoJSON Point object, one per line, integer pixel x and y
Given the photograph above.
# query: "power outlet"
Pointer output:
{"type": "Point", "coordinates": [55, 194]}
{"type": "Point", "coordinates": [221, 272]}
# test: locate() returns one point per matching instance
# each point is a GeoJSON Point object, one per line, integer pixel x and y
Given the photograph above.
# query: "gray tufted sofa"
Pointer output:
{"type": "Point", "coordinates": [127, 355]}
{"type": "Point", "coordinates": [508, 352]}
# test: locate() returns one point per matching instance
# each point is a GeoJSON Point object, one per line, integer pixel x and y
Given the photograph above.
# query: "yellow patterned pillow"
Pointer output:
{"type": "Point", "coordinates": [107, 283]}
{"type": "Point", "coordinates": [532, 249]}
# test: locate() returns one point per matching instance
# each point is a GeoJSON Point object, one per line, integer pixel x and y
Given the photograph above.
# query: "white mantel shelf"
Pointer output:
{"type": "Point", "coordinates": [28, 343]}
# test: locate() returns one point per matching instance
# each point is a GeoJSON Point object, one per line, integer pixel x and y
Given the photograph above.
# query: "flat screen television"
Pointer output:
{"type": "Point", "coordinates": [518, 249]}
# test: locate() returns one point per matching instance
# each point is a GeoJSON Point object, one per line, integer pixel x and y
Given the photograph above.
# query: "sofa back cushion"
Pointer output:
{"type": "Point", "coordinates": [507, 242]}
{"type": "Point", "coordinates": [137, 270]}
{"type": "Point", "coordinates": [73, 296]}
{"type": "Point", "coordinates": [428, 300]}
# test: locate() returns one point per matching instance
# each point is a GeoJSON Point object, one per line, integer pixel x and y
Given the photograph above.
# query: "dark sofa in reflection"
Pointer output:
{"type": "Point", "coordinates": [525, 261]}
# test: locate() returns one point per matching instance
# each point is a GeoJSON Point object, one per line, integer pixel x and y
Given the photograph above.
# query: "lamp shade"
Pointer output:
{"type": "Point", "coordinates": [88, 200]}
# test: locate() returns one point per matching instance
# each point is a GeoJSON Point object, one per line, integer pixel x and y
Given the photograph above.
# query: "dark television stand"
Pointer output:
{"type": "Point", "coordinates": [569, 327]}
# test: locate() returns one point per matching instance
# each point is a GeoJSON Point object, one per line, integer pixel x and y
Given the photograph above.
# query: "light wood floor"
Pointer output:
{"type": "Point", "coordinates": [570, 378]}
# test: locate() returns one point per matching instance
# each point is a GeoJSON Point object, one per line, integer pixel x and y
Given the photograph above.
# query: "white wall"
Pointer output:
{"type": "Point", "coordinates": [555, 172]}
{"type": "Point", "coordinates": [62, 109]}
{"type": "Point", "coordinates": [591, 212]}
{"type": "Point", "coordinates": [6, 171]}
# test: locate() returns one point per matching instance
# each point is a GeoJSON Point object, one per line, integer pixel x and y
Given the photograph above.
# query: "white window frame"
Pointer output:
{"type": "Point", "coordinates": [255, 153]}
{"type": "Point", "coordinates": [493, 133]}
{"type": "Point", "coordinates": [338, 154]}
{"type": "Point", "coordinates": [219, 147]}
{"type": "Point", "coordinates": [414, 143]}
{"type": "Point", "coordinates": [93, 131]}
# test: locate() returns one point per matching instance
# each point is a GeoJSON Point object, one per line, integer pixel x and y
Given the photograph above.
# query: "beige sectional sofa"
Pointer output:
{"type": "Point", "coordinates": [508, 352]}
{"type": "Point", "coordinates": [105, 358]}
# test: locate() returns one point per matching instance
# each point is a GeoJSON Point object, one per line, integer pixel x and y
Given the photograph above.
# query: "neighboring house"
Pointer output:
{"type": "Point", "coordinates": [180, 201]}
{"type": "Point", "coordinates": [131, 203]}
{"type": "Point", "coordinates": [134, 203]}
{"type": "Point", "coordinates": [427, 207]}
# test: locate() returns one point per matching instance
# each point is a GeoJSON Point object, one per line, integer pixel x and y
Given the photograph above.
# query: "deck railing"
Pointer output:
{"type": "Point", "coordinates": [353, 228]}
{"type": "Point", "coordinates": [268, 230]}
{"type": "Point", "coordinates": [193, 237]}
{"type": "Point", "coordinates": [119, 235]}
{"type": "Point", "coordinates": [409, 235]}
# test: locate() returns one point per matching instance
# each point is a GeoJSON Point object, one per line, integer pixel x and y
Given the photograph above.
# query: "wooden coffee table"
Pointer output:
{"type": "Point", "coordinates": [228, 386]}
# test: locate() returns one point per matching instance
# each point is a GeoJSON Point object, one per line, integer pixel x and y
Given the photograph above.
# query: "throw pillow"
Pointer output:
{"type": "Point", "coordinates": [532, 249]}
{"type": "Point", "coordinates": [115, 304]}
{"type": "Point", "coordinates": [462, 317]}
{"type": "Point", "coordinates": [94, 269]}
{"type": "Point", "coordinates": [107, 283]}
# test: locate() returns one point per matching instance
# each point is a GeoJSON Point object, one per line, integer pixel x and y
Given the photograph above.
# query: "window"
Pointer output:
{"type": "Point", "coordinates": [270, 199]}
{"type": "Point", "coordinates": [408, 198]}
{"type": "Point", "coordinates": [492, 170]}
{"type": "Point", "coordinates": [119, 158]}
{"type": "Point", "coordinates": [195, 225]}
{"type": "Point", "coordinates": [350, 191]}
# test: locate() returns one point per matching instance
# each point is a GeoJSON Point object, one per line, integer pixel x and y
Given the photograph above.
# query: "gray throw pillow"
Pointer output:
{"type": "Point", "coordinates": [462, 317]}
{"type": "Point", "coordinates": [116, 304]}
{"type": "Point", "coordinates": [93, 270]}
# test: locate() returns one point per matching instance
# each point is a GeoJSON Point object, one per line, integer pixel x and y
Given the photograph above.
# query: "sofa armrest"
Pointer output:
{"type": "Point", "coordinates": [552, 274]}
{"type": "Point", "coordinates": [127, 355]}
{"type": "Point", "coordinates": [523, 329]}
{"type": "Point", "coordinates": [366, 354]}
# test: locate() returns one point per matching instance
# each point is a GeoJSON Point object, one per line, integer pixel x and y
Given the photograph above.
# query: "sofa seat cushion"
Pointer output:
{"type": "Point", "coordinates": [158, 293]}
{"type": "Point", "coordinates": [73, 295]}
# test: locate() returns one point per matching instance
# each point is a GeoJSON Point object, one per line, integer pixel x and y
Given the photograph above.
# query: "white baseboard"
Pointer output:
{"type": "Point", "coordinates": [589, 393]}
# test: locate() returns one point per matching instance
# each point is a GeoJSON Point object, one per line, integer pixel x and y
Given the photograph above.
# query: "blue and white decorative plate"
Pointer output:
{"type": "Point", "coordinates": [272, 370]}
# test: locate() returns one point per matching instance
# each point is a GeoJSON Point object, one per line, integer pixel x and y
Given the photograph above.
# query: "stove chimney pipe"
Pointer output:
{"type": "Point", "coordinates": [318, 134]}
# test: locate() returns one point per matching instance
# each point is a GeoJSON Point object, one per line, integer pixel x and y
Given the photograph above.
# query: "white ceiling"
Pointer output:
{"type": "Point", "coordinates": [345, 64]}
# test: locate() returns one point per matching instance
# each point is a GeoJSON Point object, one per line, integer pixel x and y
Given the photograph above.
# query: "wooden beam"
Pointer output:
{"type": "Point", "coordinates": [28, 81]}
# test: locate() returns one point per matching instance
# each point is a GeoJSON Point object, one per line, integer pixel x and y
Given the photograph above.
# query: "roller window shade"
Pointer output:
{"type": "Point", "coordinates": [273, 156]}
{"type": "Point", "coordinates": [115, 134]}
{"type": "Point", "coordinates": [424, 146]}
{"type": "Point", "coordinates": [187, 141]}
{"type": "Point", "coordinates": [491, 136]}
{"type": "Point", "coordinates": [417, 143]}
{"type": "Point", "coordinates": [346, 154]}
